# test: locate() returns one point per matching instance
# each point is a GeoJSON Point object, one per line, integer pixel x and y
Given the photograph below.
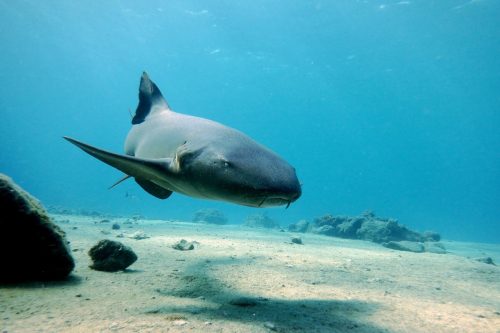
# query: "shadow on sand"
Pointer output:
{"type": "Point", "coordinates": [71, 280]}
{"type": "Point", "coordinates": [226, 303]}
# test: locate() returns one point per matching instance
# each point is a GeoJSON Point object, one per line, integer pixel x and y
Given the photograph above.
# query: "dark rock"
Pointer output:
{"type": "Point", "coordinates": [301, 226]}
{"type": "Point", "coordinates": [184, 245]}
{"type": "Point", "coordinates": [115, 226]}
{"type": "Point", "coordinates": [261, 221]}
{"type": "Point", "coordinates": [111, 256]}
{"type": "Point", "coordinates": [405, 246]}
{"type": "Point", "coordinates": [486, 260]}
{"type": "Point", "coordinates": [32, 247]}
{"type": "Point", "coordinates": [297, 240]}
{"type": "Point", "coordinates": [209, 215]}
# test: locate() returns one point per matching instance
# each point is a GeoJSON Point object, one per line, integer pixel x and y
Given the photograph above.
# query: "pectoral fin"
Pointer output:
{"type": "Point", "coordinates": [141, 168]}
{"type": "Point", "coordinates": [153, 189]}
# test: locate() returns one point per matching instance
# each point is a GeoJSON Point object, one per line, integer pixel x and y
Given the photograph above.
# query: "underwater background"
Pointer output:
{"type": "Point", "coordinates": [391, 106]}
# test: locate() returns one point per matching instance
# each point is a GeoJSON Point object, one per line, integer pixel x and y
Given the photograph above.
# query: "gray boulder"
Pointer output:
{"type": "Point", "coordinates": [32, 247]}
{"type": "Point", "coordinates": [209, 215]}
{"type": "Point", "coordinates": [111, 256]}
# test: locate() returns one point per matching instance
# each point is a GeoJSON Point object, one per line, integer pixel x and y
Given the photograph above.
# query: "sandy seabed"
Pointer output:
{"type": "Point", "coordinates": [325, 285]}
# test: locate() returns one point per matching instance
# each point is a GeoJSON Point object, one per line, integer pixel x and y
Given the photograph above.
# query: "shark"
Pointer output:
{"type": "Point", "coordinates": [168, 152]}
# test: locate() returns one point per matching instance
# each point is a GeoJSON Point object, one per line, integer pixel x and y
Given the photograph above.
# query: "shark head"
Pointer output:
{"type": "Point", "coordinates": [247, 174]}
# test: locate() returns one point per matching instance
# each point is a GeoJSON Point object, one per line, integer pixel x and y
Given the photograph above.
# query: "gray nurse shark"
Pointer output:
{"type": "Point", "coordinates": [169, 152]}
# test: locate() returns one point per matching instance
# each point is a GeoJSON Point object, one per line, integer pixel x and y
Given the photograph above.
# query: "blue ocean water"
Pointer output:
{"type": "Point", "coordinates": [392, 106]}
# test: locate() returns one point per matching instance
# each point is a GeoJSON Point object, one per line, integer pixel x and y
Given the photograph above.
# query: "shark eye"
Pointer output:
{"type": "Point", "coordinates": [226, 164]}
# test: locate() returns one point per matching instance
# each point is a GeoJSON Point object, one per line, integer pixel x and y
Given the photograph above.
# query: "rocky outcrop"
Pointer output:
{"type": "Point", "coordinates": [209, 215]}
{"type": "Point", "coordinates": [301, 226]}
{"type": "Point", "coordinates": [111, 256]}
{"type": "Point", "coordinates": [32, 247]}
{"type": "Point", "coordinates": [405, 246]}
{"type": "Point", "coordinates": [261, 221]}
{"type": "Point", "coordinates": [372, 228]}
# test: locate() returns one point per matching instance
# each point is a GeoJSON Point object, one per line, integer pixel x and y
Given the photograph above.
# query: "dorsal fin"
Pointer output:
{"type": "Point", "coordinates": [150, 99]}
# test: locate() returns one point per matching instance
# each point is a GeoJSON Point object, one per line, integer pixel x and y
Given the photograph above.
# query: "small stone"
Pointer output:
{"type": "Point", "coordinates": [115, 226]}
{"type": "Point", "coordinates": [297, 240]}
{"type": "Point", "coordinates": [270, 326]}
{"type": "Point", "coordinates": [138, 235]}
{"type": "Point", "coordinates": [111, 256]}
{"type": "Point", "coordinates": [183, 245]}
{"type": "Point", "coordinates": [179, 322]}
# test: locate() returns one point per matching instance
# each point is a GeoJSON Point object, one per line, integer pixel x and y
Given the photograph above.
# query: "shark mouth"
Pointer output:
{"type": "Point", "coordinates": [275, 201]}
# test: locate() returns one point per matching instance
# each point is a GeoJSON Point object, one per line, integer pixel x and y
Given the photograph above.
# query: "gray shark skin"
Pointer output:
{"type": "Point", "coordinates": [170, 152]}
